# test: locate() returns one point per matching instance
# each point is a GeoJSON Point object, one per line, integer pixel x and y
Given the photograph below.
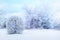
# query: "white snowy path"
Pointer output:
{"type": "Point", "coordinates": [31, 35]}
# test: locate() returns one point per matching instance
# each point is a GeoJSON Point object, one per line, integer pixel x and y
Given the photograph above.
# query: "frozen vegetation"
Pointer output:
{"type": "Point", "coordinates": [2, 21]}
{"type": "Point", "coordinates": [30, 20]}
{"type": "Point", "coordinates": [39, 14]}
{"type": "Point", "coordinates": [14, 24]}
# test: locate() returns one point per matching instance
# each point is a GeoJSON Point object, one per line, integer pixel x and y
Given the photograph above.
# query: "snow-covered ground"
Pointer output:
{"type": "Point", "coordinates": [31, 34]}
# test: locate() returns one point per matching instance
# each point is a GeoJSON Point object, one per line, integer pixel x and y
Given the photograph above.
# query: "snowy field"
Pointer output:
{"type": "Point", "coordinates": [32, 34]}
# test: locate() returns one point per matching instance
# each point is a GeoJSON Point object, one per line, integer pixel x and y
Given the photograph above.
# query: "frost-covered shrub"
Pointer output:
{"type": "Point", "coordinates": [2, 22]}
{"type": "Point", "coordinates": [14, 25]}
{"type": "Point", "coordinates": [56, 26]}
{"type": "Point", "coordinates": [46, 23]}
{"type": "Point", "coordinates": [35, 23]}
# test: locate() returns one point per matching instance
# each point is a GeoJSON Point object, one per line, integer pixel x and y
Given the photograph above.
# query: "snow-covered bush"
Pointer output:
{"type": "Point", "coordinates": [14, 24]}
{"type": "Point", "coordinates": [2, 22]}
{"type": "Point", "coordinates": [57, 27]}
{"type": "Point", "coordinates": [35, 23]}
{"type": "Point", "coordinates": [45, 20]}
{"type": "Point", "coordinates": [46, 24]}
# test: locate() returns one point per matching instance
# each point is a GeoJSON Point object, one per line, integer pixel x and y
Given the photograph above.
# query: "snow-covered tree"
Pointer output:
{"type": "Point", "coordinates": [36, 16]}
{"type": "Point", "coordinates": [14, 25]}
